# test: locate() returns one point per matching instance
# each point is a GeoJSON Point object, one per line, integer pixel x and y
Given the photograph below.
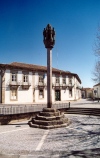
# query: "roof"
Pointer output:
{"type": "Point", "coordinates": [32, 67]}
{"type": "Point", "coordinates": [87, 89]}
{"type": "Point", "coordinates": [97, 85]}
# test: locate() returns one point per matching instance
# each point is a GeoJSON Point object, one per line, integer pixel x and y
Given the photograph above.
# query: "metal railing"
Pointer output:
{"type": "Point", "coordinates": [19, 109]}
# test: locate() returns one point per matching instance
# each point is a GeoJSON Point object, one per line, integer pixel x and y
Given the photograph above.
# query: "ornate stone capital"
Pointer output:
{"type": "Point", "coordinates": [49, 34]}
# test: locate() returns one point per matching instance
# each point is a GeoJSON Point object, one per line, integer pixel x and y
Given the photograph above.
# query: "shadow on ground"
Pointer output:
{"type": "Point", "coordinates": [17, 124]}
{"type": "Point", "coordinates": [89, 153]}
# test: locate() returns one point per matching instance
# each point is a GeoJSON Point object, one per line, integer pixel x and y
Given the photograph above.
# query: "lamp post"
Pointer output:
{"type": "Point", "coordinates": [49, 41]}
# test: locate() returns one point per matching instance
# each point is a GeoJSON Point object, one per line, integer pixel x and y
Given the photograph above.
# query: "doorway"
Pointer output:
{"type": "Point", "coordinates": [57, 95]}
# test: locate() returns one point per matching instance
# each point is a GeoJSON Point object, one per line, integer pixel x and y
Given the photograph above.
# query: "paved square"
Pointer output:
{"type": "Point", "coordinates": [80, 138]}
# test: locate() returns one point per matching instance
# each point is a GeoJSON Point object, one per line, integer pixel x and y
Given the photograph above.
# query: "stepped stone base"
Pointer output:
{"type": "Point", "coordinates": [49, 118]}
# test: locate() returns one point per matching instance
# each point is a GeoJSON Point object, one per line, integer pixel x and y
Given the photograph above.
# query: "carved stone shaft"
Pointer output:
{"type": "Point", "coordinates": [49, 78]}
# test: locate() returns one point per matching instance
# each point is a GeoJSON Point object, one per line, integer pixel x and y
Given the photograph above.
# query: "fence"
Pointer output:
{"type": "Point", "coordinates": [5, 110]}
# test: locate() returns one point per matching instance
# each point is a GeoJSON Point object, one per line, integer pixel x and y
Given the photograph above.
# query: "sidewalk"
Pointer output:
{"type": "Point", "coordinates": [85, 103]}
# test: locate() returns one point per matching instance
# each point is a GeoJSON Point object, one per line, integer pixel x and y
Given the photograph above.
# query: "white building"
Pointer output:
{"type": "Point", "coordinates": [27, 83]}
{"type": "Point", "coordinates": [96, 91]}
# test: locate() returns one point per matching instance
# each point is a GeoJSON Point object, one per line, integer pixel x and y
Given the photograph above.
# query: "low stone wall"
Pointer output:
{"type": "Point", "coordinates": [6, 119]}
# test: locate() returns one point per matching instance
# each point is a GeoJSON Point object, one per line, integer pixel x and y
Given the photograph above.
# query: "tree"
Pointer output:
{"type": "Point", "coordinates": [97, 44]}
{"type": "Point", "coordinates": [96, 72]}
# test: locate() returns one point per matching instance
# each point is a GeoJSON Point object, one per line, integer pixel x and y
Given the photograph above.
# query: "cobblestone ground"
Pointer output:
{"type": "Point", "coordinates": [78, 140]}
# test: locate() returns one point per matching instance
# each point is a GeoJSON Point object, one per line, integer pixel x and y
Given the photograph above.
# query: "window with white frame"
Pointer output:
{"type": "Point", "coordinates": [70, 93]}
{"type": "Point", "coordinates": [14, 77]}
{"type": "Point", "coordinates": [64, 80]}
{"type": "Point", "coordinates": [57, 79]}
{"type": "Point", "coordinates": [70, 80]}
{"type": "Point", "coordinates": [25, 78]}
{"type": "Point", "coordinates": [41, 93]}
{"type": "Point", "coordinates": [14, 94]}
{"type": "Point", "coordinates": [41, 79]}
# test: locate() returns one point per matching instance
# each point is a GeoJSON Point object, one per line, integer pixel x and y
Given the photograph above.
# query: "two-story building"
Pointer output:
{"type": "Point", "coordinates": [96, 91]}
{"type": "Point", "coordinates": [27, 83]}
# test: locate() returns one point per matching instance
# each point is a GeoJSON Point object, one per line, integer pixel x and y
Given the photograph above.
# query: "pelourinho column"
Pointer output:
{"type": "Point", "coordinates": [49, 117]}
{"type": "Point", "coordinates": [49, 78]}
{"type": "Point", "coordinates": [49, 42]}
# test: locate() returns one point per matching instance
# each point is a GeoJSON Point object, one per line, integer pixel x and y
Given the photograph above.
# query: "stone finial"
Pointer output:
{"type": "Point", "coordinates": [49, 34]}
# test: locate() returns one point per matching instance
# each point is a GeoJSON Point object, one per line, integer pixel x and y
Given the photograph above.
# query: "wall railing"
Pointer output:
{"type": "Point", "coordinates": [18, 109]}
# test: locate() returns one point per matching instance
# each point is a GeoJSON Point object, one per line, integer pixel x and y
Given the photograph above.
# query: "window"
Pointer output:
{"type": "Point", "coordinates": [64, 80]}
{"type": "Point", "coordinates": [41, 79]}
{"type": "Point", "coordinates": [70, 93]}
{"type": "Point", "coordinates": [25, 84]}
{"type": "Point", "coordinates": [14, 77]}
{"type": "Point", "coordinates": [41, 94]}
{"type": "Point", "coordinates": [13, 94]}
{"type": "Point", "coordinates": [25, 78]}
{"type": "Point", "coordinates": [70, 80]}
{"type": "Point", "coordinates": [57, 80]}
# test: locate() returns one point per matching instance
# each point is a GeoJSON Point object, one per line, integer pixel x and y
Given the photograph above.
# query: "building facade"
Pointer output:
{"type": "Point", "coordinates": [27, 83]}
{"type": "Point", "coordinates": [96, 91]}
{"type": "Point", "coordinates": [87, 93]}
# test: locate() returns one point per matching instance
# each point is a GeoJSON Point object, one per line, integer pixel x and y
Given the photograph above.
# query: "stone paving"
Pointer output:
{"type": "Point", "coordinates": [78, 140]}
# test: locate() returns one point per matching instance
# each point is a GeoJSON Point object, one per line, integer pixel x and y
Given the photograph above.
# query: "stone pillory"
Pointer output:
{"type": "Point", "coordinates": [49, 117]}
{"type": "Point", "coordinates": [49, 42]}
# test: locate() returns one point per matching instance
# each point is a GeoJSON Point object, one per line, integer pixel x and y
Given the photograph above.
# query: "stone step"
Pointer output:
{"type": "Point", "coordinates": [49, 123]}
{"type": "Point", "coordinates": [49, 114]}
{"type": "Point", "coordinates": [49, 118]}
{"type": "Point", "coordinates": [49, 110]}
{"type": "Point", "coordinates": [38, 117]}
{"type": "Point", "coordinates": [84, 111]}
{"type": "Point", "coordinates": [48, 127]}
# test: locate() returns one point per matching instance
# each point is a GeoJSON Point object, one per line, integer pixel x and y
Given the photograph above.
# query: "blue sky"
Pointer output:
{"type": "Point", "coordinates": [75, 22]}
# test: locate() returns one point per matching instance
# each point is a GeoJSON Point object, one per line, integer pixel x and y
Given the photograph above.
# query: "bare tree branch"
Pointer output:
{"type": "Point", "coordinates": [96, 73]}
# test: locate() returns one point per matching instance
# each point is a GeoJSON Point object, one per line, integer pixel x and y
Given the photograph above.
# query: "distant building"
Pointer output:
{"type": "Point", "coordinates": [27, 83]}
{"type": "Point", "coordinates": [96, 91]}
{"type": "Point", "coordinates": [87, 93]}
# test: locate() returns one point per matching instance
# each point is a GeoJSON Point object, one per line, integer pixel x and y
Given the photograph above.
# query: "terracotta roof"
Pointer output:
{"type": "Point", "coordinates": [97, 85]}
{"type": "Point", "coordinates": [87, 89]}
{"type": "Point", "coordinates": [32, 67]}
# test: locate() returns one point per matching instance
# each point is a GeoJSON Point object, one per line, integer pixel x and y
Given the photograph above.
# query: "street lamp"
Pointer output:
{"type": "Point", "coordinates": [49, 41]}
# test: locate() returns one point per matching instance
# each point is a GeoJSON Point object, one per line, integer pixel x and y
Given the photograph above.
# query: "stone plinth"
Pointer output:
{"type": "Point", "coordinates": [49, 118]}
